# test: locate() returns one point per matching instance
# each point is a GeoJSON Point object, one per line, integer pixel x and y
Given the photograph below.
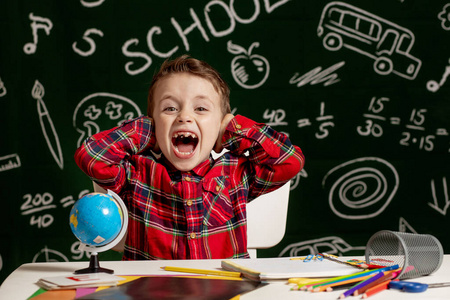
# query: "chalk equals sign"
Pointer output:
{"type": "Point", "coordinates": [441, 131]}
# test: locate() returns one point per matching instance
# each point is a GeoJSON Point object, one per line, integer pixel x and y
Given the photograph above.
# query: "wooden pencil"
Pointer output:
{"type": "Point", "coordinates": [376, 289]}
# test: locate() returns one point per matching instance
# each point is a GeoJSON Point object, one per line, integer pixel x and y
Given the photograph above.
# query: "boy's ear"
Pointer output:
{"type": "Point", "coordinates": [156, 148]}
{"type": "Point", "coordinates": [225, 121]}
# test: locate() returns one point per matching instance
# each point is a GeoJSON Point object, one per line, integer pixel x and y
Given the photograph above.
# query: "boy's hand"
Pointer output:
{"type": "Point", "coordinates": [226, 119]}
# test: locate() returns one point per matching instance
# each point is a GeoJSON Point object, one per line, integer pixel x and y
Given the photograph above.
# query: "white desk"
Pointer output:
{"type": "Point", "coordinates": [21, 283]}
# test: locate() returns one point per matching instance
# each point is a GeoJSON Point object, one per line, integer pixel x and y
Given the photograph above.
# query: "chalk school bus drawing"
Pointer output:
{"type": "Point", "coordinates": [388, 44]}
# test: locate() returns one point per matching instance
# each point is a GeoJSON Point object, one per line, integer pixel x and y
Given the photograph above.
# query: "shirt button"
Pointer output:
{"type": "Point", "coordinates": [188, 179]}
{"type": "Point", "coordinates": [193, 235]}
{"type": "Point", "coordinates": [189, 202]}
{"type": "Point", "coordinates": [238, 126]}
{"type": "Point", "coordinates": [217, 188]}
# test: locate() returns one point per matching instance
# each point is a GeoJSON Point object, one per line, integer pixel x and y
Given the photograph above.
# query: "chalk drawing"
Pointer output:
{"type": "Point", "coordinates": [404, 226]}
{"type": "Point", "coordinates": [36, 24]}
{"type": "Point", "coordinates": [275, 117]}
{"type": "Point", "coordinates": [444, 16]}
{"type": "Point", "coordinates": [361, 188]}
{"type": "Point", "coordinates": [249, 70]}
{"type": "Point", "coordinates": [48, 129]}
{"type": "Point", "coordinates": [441, 206]}
{"type": "Point", "coordinates": [101, 111]}
{"type": "Point", "coordinates": [296, 180]}
{"type": "Point", "coordinates": [331, 245]}
{"type": "Point", "coordinates": [388, 44]}
{"type": "Point", "coordinates": [9, 162]}
{"type": "Point", "coordinates": [49, 255]}
{"type": "Point", "coordinates": [316, 76]}
{"type": "Point", "coordinates": [91, 4]}
{"type": "Point", "coordinates": [89, 40]}
{"type": "Point", "coordinates": [2, 88]}
{"type": "Point", "coordinates": [433, 86]}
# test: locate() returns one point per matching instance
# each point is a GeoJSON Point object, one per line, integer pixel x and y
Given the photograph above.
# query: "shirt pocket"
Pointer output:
{"type": "Point", "coordinates": [216, 200]}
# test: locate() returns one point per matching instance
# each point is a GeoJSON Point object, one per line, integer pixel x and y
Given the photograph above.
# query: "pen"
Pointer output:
{"type": "Point", "coordinates": [204, 272]}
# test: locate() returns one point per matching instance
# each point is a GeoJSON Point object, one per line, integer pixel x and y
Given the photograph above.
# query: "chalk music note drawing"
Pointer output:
{"type": "Point", "coordinates": [48, 129]}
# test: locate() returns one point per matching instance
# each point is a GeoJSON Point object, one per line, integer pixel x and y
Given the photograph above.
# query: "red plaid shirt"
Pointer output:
{"type": "Point", "coordinates": [189, 215]}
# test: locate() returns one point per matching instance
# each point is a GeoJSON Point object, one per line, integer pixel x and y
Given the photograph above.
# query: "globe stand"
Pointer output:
{"type": "Point", "coordinates": [94, 265]}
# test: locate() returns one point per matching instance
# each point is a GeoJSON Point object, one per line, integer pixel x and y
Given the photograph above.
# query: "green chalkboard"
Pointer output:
{"type": "Point", "coordinates": [362, 87]}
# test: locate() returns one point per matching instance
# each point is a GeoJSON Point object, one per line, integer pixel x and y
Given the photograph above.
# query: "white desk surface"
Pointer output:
{"type": "Point", "coordinates": [21, 283]}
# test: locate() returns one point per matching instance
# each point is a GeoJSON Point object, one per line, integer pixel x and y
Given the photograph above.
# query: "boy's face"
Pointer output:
{"type": "Point", "coordinates": [187, 115]}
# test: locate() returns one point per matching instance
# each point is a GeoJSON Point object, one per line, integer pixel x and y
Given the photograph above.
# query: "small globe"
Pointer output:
{"type": "Point", "coordinates": [96, 219]}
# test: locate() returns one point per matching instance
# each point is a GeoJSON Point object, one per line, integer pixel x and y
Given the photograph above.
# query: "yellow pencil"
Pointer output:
{"type": "Point", "coordinates": [204, 272]}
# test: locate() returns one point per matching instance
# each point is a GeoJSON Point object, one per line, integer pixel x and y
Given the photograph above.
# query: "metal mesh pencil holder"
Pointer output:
{"type": "Point", "coordinates": [417, 254]}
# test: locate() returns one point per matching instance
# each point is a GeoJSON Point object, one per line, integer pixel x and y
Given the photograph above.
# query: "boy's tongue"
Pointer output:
{"type": "Point", "coordinates": [185, 147]}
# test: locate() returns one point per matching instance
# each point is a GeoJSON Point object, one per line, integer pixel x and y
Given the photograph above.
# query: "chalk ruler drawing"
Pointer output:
{"type": "Point", "coordinates": [48, 129]}
{"type": "Point", "coordinates": [36, 24]}
{"type": "Point", "coordinates": [9, 162]}
{"type": "Point", "coordinates": [331, 245]}
{"type": "Point", "coordinates": [89, 40]}
{"type": "Point", "coordinates": [249, 70]}
{"type": "Point", "coordinates": [102, 111]}
{"type": "Point", "coordinates": [441, 206]}
{"type": "Point", "coordinates": [444, 16]}
{"type": "Point", "coordinates": [361, 188]}
{"type": "Point", "coordinates": [388, 44]}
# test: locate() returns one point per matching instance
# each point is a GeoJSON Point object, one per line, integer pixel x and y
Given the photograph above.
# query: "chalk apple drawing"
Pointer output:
{"type": "Point", "coordinates": [249, 70]}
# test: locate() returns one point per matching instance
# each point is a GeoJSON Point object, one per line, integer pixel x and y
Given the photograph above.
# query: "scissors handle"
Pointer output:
{"type": "Point", "coordinates": [407, 286]}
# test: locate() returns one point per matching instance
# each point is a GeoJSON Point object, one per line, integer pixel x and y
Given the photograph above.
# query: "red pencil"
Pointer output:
{"type": "Point", "coordinates": [376, 289]}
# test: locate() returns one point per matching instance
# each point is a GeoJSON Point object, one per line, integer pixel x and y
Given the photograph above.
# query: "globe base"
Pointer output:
{"type": "Point", "coordinates": [94, 266]}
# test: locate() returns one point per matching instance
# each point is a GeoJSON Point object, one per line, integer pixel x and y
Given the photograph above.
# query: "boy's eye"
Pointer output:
{"type": "Point", "coordinates": [201, 109]}
{"type": "Point", "coordinates": [169, 109]}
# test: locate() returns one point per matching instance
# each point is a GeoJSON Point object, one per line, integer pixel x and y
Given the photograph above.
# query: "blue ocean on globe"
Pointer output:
{"type": "Point", "coordinates": [96, 219]}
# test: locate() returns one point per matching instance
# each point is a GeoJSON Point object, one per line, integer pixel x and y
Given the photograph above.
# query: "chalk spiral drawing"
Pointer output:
{"type": "Point", "coordinates": [316, 76]}
{"type": "Point", "coordinates": [249, 70]}
{"type": "Point", "coordinates": [36, 24]}
{"type": "Point", "coordinates": [2, 88]}
{"type": "Point", "coordinates": [48, 129]}
{"type": "Point", "coordinates": [437, 204]}
{"type": "Point", "coordinates": [388, 44]}
{"type": "Point", "coordinates": [444, 16]}
{"type": "Point", "coordinates": [91, 4]}
{"type": "Point", "coordinates": [89, 40]}
{"type": "Point", "coordinates": [100, 111]}
{"type": "Point", "coordinates": [361, 188]}
{"type": "Point", "coordinates": [433, 86]}
{"type": "Point", "coordinates": [331, 245]}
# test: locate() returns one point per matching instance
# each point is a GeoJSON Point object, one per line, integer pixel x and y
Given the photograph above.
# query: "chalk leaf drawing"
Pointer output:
{"type": "Point", "coordinates": [361, 188]}
{"type": "Point", "coordinates": [89, 40]}
{"type": "Point", "coordinates": [249, 70]}
{"type": "Point", "coordinates": [444, 16]}
{"type": "Point", "coordinates": [331, 245]}
{"type": "Point", "coordinates": [441, 206]}
{"type": "Point", "coordinates": [388, 44]}
{"type": "Point", "coordinates": [36, 24]}
{"type": "Point", "coordinates": [48, 129]}
{"type": "Point", "coordinates": [101, 111]}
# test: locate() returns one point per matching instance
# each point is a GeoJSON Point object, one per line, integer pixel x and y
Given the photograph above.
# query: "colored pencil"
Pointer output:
{"type": "Point", "coordinates": [361, 284]}
{"type": "Point", "coordinates": [204, 272]}
{"type": "Point", "coordinates": [376, 289]}
{"type": "Point", "coordinates": [387, 276]}
{"type": "Point", "coordinates": [350, 282]}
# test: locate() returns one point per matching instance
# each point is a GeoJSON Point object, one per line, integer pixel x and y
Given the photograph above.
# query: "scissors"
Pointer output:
{"type": "Point", "coordinates": [415, 287]}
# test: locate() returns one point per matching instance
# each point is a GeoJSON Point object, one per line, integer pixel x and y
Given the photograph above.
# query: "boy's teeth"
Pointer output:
{"type": "Point", "coordinates": [183, 153]}
{"type": "Point", "coordinates": [184, 134]}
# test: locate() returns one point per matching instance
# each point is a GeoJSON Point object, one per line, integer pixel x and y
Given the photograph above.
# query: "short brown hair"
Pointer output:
{"type": "Point", "coordinates": [187, 64]}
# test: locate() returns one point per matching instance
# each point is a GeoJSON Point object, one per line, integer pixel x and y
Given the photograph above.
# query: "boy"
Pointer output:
{"type": "Point", "coordinates": [184, 204]}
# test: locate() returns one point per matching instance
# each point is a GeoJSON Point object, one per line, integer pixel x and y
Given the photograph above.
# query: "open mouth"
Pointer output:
{"type": "Point", "coordinates": [184, 143]}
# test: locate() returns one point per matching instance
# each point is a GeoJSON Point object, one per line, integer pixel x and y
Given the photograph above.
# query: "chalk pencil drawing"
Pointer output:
{"type": "Point", "coordinates": [48, 129]}
{"type": "Point", "coordinates": [361, 188]}
{"type": "Point", "coordinates": [2, 88]}
{"type": "Point", "coordinates": [316, 76]}
{"type": "Point", "coordinates": [89, 40]}
{"type": "Point", "coordinates": [441, 203]}
{"type": "Point", "coordinates": [387, 43]}
{"type": "Point", "coordinates": [330, 245]}
{"type": "Point", "coordinates": [249, 70]}
{"type": "Point", "coordinates": [101, 111]}
{"type": "Point", "coordinates": [36, 24]}
{"type": "Point", "coordinates": [404, 226]}
{"type": "Point", "coordinates": [433, 86]}
{"type": "Point", "coordinates": [444, 17]}
{"type": "Point", "coordinates": [8, 162]}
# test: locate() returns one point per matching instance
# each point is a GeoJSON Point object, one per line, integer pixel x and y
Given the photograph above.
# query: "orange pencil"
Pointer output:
{"type": "Point", "coordinates": [376, 289]}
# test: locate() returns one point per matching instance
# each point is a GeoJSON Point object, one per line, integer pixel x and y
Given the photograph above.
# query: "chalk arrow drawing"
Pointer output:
{"type": "Point", "coordinates": [435, 205]}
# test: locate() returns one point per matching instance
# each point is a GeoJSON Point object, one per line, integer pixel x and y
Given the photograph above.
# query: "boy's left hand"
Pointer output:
{"type": "Point", "coordinates": [226, 119]}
